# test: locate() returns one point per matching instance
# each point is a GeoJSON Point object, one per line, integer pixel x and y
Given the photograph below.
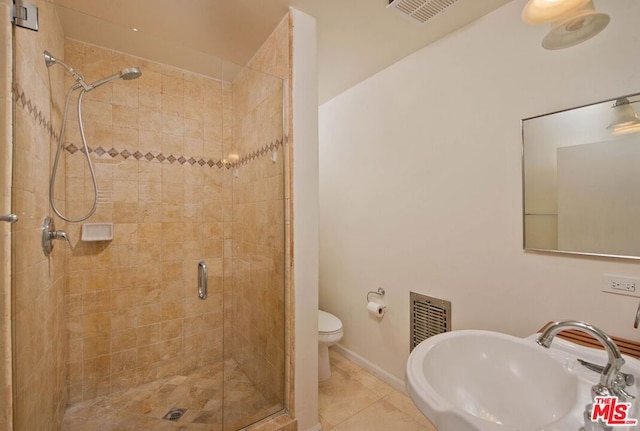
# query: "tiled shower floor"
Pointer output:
{"type": "Point", "coordinates": [142, 408]}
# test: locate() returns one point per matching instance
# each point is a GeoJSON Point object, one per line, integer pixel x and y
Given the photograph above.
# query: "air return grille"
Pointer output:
{"type": "Point", "coordinates": [420, 10]}
{"type": "Point", "coordinates": [429, 316]}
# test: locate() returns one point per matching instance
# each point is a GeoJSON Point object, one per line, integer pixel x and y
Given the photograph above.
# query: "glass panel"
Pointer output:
{"type": "Point", "coordinates": [40, 349]}
{"type": "Point", "coordinates": [254, 357]}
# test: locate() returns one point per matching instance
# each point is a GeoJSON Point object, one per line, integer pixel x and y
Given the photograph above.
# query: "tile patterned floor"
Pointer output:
{"type": "Point", "coordinates": [142, 408]}
{"type": "Point", "coordinates": [351, 400]}
{"type": "Point", "coordinates": [355, 400]}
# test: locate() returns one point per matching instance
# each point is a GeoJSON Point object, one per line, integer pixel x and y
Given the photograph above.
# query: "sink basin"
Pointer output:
{"type": "Point", "coordinates": [472, 380]}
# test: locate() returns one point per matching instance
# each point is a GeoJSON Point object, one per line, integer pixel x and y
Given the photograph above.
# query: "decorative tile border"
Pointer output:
{"type": "Point", "coordinates": [27, 105]}
{"type": "Point", "coordinates": [260, 152]}
{"type": "Point", "coordinates": [149, 156]}
{"type": "Point", "coordinates": [20, 98]}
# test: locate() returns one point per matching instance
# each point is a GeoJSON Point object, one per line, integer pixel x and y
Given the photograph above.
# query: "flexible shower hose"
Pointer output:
{"type": "Point", "coordinates": [54, 170]}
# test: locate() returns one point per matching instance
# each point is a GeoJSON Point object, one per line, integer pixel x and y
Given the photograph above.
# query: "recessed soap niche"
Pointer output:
{"type": "Point", "coordinates": [97, 232]}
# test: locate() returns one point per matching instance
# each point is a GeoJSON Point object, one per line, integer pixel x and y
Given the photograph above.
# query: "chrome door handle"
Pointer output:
{"type": "Point", "coordinates": [9, 218]}
{"type": "Point", "coordinates": [202, 280]}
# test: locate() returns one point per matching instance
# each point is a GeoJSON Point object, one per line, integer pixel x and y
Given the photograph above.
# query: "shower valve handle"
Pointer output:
{"type": "Point", "coordinates": [49, 233]}
{"type": "Point", "coordinates": [60, 234]}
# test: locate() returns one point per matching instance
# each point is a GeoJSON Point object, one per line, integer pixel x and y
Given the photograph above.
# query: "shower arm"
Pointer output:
{"type": "Point", "coordinates": [50, 60]}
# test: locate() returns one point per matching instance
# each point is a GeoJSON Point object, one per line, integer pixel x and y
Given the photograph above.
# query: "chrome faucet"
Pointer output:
{"type": "Point", "coordinates": [49, 234]}
{"type": "Point", "coordinates": [612, 382]}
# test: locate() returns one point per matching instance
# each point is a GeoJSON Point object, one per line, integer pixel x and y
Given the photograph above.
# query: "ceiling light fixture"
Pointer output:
{"type": "Point", "coordinates": [572, 21]}
{"type": "Point", "coordinates": [625, 118]}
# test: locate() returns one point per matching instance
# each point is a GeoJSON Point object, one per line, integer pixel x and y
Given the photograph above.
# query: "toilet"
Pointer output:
{"type": "Point", "coordinates": [329, 333]}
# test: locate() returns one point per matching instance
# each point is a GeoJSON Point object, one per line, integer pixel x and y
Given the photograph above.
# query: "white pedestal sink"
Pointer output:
{"type": "Point", "coordinates": [474, 380]}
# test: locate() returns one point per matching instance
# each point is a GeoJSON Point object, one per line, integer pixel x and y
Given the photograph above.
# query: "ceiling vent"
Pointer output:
{"type": "Point", "coordinates": [419, 10]}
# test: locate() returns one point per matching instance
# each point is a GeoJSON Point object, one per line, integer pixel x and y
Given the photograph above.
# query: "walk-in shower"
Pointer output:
{"type": "Point", "coordinates": [114, 332]}
{"type": "Point", "coordinates": [126, 74]}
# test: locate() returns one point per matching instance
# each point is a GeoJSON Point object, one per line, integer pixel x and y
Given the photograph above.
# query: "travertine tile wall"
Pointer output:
{"type": "Point", "coordinates": [133, 311]}
{"type": "Point", "coordinates": [38, 282]}
{"type": "Point", "coordinates": [258, 304]}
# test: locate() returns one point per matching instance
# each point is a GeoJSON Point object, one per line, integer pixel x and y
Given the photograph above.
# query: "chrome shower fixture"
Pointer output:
{"type": "Point", "coordinates": [126, 74]}
{"type": "Point", "coordinates": [50, 60]}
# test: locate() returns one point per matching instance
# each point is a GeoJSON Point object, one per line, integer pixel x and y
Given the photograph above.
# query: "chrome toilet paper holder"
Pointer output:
{"type": "Point", "coordinates": [380, 292]}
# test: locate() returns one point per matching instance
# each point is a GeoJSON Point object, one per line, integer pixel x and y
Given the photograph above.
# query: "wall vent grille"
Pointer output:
{"type": "Point", "coordinates": [420, 10]}
{"type": "Point", "coordinates": [429, 317]}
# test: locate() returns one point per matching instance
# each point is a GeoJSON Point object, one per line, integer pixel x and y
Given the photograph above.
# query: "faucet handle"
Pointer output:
{"type": "Point", "coordinates": [60, 234]}
{"type": "Point", "coordinates": [624, 394]}
{"type": "Point", "coordinates": [620, 378]}
{"type": "Point", "coordinates": [625, 379]}
{"type": "Point", "coordinates": [621, 382]}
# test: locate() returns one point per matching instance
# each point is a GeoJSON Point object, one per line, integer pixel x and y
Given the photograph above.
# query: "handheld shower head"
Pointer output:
{"type": "Point", "coordinates": [130, 73]}
{"type": "Point", "coordinates": [126, 74]}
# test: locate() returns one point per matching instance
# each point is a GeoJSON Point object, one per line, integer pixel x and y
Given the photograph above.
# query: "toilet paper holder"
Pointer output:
{"type": "Point", "coordinates": [380, 292]}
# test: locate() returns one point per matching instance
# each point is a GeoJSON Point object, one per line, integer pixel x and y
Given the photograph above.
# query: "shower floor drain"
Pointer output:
{"type": "Point", "coordinates": [174, 414]}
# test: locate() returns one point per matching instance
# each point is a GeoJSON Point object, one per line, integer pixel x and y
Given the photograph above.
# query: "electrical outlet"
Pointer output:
{"type": "Point", "coordinates": [621, 285]}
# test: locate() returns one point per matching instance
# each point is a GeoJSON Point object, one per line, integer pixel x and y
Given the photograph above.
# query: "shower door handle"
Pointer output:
{"type": "Point", "coordinates": [202, 280]}
{"type": "Point", "coordinates": [9, 218]}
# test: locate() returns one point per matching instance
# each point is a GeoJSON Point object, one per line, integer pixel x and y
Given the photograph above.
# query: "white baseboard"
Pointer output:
{"type": "Point", "coordinates": [316, 427]}
{"type": "Point", "coordinates": [391, 380]}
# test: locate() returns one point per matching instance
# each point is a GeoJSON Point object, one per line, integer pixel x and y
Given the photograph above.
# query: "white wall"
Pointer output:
{"type": "Point", "coordinates": [305, 219]}
{"type": "Point", "coordinates": [420, 184]}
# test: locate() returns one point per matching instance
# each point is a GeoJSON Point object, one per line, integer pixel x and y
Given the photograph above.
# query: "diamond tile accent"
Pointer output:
{"type": "Point", "coordinates": [20, 97]}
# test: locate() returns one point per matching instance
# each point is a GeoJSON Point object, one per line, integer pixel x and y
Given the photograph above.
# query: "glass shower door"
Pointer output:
{"type": "Point", "coordinates": [255, 287]}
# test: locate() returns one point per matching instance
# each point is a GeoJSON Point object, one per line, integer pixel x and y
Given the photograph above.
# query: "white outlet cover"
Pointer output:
{"type": "Point", "coordinates": [607, 279]}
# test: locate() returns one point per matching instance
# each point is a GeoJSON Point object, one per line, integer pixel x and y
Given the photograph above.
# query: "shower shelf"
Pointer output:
{"type": "Point", "coordinates": [97, 232]}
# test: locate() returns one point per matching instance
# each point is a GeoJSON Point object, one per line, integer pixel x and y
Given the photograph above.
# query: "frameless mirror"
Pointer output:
{"type": "Point", "coordinates": [581, 179]}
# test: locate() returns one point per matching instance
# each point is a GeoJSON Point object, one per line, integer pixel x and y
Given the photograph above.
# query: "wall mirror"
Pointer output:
{"type": "Point", "coordinates": [581, 179]}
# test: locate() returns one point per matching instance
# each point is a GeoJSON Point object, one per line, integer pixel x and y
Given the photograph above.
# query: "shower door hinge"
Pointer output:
{"type": "Point", "coordinates": [24, 15]}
